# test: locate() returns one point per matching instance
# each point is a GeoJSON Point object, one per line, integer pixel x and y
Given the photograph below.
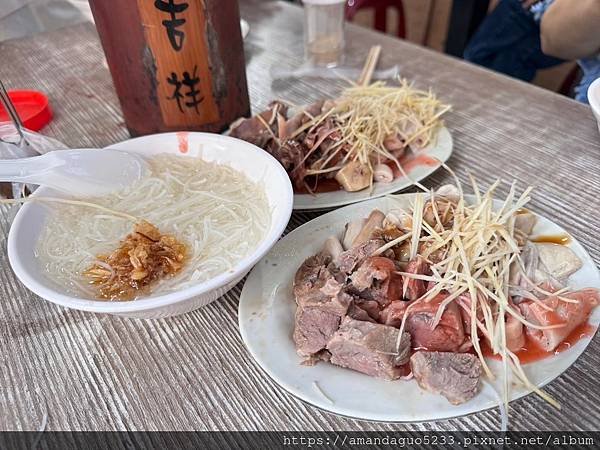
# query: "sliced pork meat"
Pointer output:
{"type": "Point", "coordinates": [314, 109]}
{"type": "Point", "coordinates": [353, 257]}
{"type": "Point", "coordinates": [291, 125]}
{"type": "Point", "coordinates": [393, 313]}
{"type": "Point", "coordinates": [313, 329]}
{"type": "Point", "coordinates": [447, 336]}
{"type": "Point", "coordinates": [376, 280]}
{"type": "Point", "coordinates": [375, 268]}
{"type": "Point", "coordinates": [315, 281]}
{"type": "Point", "coordinates": [416, 288]}
{"type": "Point", "coordinates": [453, 375]}
{"type": "Point", "coordinates": [290, 154]}
{"type": "Point", "coordinates": [568, 315]}
{"type": "Point", "coordinates": [366, 311]}
{"type": "Point", "coordinates": [371, 307]}
{"type": "Point", "coordinates": [326, 131]}
{"type": "Point", "coordinates": [370, 348]}
{"type": "Point", "coordinates": [321, 305]}
{"type": "Point", "coordinates": [253, 129]}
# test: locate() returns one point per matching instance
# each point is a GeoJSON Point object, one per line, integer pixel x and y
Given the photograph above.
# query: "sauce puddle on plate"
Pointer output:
{"type": "Point", "coordinates": [532, 352]}
{"type": "Point", "coordinates": [561, 239]}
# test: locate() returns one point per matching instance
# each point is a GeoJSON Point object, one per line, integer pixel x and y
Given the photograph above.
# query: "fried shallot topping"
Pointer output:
{"type": "Point", "coordinates": [143, 258]}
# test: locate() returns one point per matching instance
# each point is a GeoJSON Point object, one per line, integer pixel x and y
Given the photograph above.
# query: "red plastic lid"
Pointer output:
{"type": "Point", "coordinates": [33, 109]}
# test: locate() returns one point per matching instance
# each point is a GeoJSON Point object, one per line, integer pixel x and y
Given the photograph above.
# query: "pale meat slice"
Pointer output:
{"type": "Point", "coordinates": [370, 348]}
{"type": "Point", "coordinates": [376, 280]}
{"type": "Point", "coordinates": [313, 329]}
{"type": "Point", "coordinates": [568, 315]}
{"type": "Point", "coordinates": [353, 257]}
{"type": "Point", "coordinates": [453, 375]}
{"type": "Point", "coordinates": [321, 306]}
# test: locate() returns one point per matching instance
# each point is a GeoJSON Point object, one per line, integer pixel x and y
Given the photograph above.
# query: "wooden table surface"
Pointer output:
{"type": "Point", "coordinates": [94, 372]}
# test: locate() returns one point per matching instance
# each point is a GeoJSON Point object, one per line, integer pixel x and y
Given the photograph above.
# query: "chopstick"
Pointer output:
{"type": "Point", "coordinates": [369, 67]}
{"type": "Point", "coordinates": [12, 112]}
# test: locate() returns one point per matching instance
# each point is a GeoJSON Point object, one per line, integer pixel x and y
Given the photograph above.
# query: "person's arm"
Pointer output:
{"type": "Point", "coordinates": [571, 29]}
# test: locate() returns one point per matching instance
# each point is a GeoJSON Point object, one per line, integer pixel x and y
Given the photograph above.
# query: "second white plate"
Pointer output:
{"type": "Point", "coordinates": [440, 150]}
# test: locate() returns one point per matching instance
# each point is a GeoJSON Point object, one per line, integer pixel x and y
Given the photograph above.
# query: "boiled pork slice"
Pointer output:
{"type": "Point", "coordinates": [370, 348]}
{"type": "Point", "coordinates": [569, 315]}
{"type": "Point", "coordinates": [447, 336]}
{"type": "Point", "coordinates": [321, 305]}
{"type": "Point", "coordinates": [453, 375]}
{"type": "Point", "coordinates": [416, 288]}
{"type": "Point", "coordinates": [353, 257]}
{"type": "Point", "coordinates": [313, 330]}
{"type": "Point", "coordinates": [253, 130]}
{"type": "Point", "coordinates": [376, 280]}
{"type": "Point", "coordinates": [370, 307]}
{"type": "Point", "coordinates": [362, 311]}
{"type": "Point", "coordinates": [316, 282]}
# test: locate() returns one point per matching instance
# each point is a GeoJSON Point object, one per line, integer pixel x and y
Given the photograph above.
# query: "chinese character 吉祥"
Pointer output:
{"type": "Point", "coordinates": [192, 95]}
{"type": "Point", "coordinates": [175, 36]}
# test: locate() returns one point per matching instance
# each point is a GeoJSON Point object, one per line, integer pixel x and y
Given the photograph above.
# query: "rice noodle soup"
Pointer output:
{"type": "Point", "coordinates": [218, 213]}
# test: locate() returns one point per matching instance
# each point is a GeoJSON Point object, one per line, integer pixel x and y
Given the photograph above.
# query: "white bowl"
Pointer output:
{"type": "Point", "coordinates": [255, 163]}
{"type": "Point", "coordinates": [593, 94]}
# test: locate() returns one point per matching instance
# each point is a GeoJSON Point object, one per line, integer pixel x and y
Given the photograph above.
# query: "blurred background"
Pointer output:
{"type": "Point", "coordinates": [442, 25]}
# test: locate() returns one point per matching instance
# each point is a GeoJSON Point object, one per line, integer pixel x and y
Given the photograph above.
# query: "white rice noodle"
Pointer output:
{"type": "Point", "coordinates": [218, 212]}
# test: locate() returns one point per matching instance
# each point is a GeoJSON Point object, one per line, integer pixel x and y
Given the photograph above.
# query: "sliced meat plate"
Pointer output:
{"type": "Point", "coordinates": [267, 314]}
{"type": "Point", "coordinates": [440, 151]}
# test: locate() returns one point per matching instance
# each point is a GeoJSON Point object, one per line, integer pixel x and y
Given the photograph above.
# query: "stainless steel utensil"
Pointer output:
{"type": "Point", "coordinates": [12, 112]}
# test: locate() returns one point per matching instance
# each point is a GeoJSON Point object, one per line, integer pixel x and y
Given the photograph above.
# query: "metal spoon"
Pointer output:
{"type": "Point", "coordinates": [84, 172]}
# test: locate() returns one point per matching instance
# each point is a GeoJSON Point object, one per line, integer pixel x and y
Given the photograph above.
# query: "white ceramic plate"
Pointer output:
{"type": "Point", "coordinates": [441, 150]}
{"type": "Point", "coordinates": [266, 319]}
{"type": "Point", "coordinates": [247, 158]}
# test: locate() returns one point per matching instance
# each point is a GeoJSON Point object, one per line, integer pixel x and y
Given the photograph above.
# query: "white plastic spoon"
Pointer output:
{"type": "Point", "coordinates": [85, 172]}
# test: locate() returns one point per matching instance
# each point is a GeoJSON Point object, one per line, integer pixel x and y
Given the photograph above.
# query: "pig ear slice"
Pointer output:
{"type": "Point", "coordinates": [557, 260]}
{"type": "Point", "coordinates": [543, 264]}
